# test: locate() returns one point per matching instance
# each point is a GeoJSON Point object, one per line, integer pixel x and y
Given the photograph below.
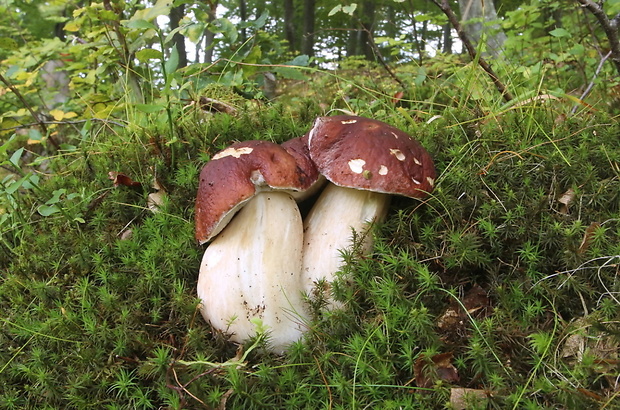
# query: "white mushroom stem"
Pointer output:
{"type": "Point", "coordinates": [252, 271]}
{"type": "Point", "coordinates": [328, 229]}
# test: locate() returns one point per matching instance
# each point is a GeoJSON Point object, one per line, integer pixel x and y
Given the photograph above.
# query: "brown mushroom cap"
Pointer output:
{"type": "Point", "coordinates": [235, 174]}
{"type": "Point", "coordinates": [298, 148]}
{"type": "Point", "coordinates": [363, 153]}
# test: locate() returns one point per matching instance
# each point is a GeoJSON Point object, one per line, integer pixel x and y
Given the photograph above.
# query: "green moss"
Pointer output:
{"type": "Point", "coordinates": [520, 240]}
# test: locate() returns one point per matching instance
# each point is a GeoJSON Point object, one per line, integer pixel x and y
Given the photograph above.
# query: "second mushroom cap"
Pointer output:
{"type": "Point", "coordinates": [364, 153]}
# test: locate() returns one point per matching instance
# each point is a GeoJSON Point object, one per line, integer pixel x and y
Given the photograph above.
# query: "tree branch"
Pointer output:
{"type": "Point", "coordinates": [377, 52]}
{"type": "Point", "coordinates": [471, 50]}
{"type": "Point", "coordinates": [24, 102]}
{"type": "Point", "coordinates": [591, 85]}
{"type": "Point", "coordinates": [609, 26]}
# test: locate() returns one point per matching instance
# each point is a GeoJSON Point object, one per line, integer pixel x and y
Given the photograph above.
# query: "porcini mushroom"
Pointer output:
{"type": "Point", "coordinates": [366, 162]}
{"type": "Point", "coordinates": [251, 270]}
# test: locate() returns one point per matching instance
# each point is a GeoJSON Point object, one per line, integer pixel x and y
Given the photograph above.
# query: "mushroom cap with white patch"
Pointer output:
{"type": "Point", "coordinates": [237, 173]}
{"type": "Point", "coordinates": [363, 153]}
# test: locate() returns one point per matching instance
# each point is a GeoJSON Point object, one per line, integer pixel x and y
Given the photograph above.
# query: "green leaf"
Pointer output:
{"type": "Point", "coordinates": [173, 61]}
{"type": "Point", "coordinates": [232, 79]}
{"type": "Point", "coordinates": [7, 43]}
{"type": "Point", "coordinates": [254, 55]}
{"type": "Point", "coordinates": [422, 17]}
{"type": "Point", "coordinates": [261, 21]}
{"type": "Point", "coordinates": [301, 60]}
{"type": "Point", "coordinates": [334, 10]}
{"type": "Point", "coordinates": [35, 134]}
{"type": "Point", "coordinates": [150, 108]}
{"type": "Point", "coordinates": [140, 24]}
{"type": "Point", "coordinates": [47, 210]}
{"type": "Point", "coordinates": [170, 35]}
{"type": "Point", "coordinates": [345, 9]}
{"type": "Point", "coordinates": [349, 9]}
{"type": "Point", "coordinates": [560, 32]}
{"type": "Point", "coordinates": [290, 73]}
{"type": "Point", "coordinates": [56, 196]}
{"type": "Point", "coordinates": [195, 31]}
{"type": "Point", "coordinates": [30, 181]}
{"type": "Point", "coordinates": [16, 157]}
{"type": "Point", "coordinates": [293, 73]}
{"type": "Point", "coordinates": [162, 7]}
{"type": "Point", "coordinates": [147, 54]}
{"type": "Point", "coordinates": [224, 26]}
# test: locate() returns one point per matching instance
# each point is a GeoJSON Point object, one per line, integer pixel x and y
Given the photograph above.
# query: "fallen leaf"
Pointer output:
{"type": "Point", "coordinates": [397, 97]}
{"type": "Point", "coordinates": [156, 200]}
{"type": "Point", "coordinates": [122, 179]}
{"type": "Point", "coordinates": [439, 367]}
{"type": "Point", "coordinates": [126, 235]}
{"type": "Point", "coordinates": [454, 322]}
{"type": "Point", "coordinates": [462, 398]}
{"type": "Point", "coordinates": [574, 346]}
{"type": "Point", "coordinates": [566, 199]}
{"type": "Point", "coordinates": [587, 237]}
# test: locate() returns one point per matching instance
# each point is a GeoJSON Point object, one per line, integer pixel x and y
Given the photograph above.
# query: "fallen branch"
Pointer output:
{"type": "Point", "coordinates": [609, 26]}
{"type": "Point", "coordinates": [471, 50]}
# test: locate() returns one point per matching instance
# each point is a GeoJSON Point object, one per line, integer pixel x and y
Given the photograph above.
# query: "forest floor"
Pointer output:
{"type": "Point", "coordinates": [500, 290]}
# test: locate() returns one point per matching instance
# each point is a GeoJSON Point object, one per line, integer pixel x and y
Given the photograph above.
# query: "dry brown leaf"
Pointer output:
{"type": "Point", "coordinates": [587, 237]}
{"type": "Point", "coordinates": [122, 179]}
{"type": "Point", "coordinates": [397, 97]}
{"type": "Point", "coordinates": [454, 322]}
{"type": "Point", "coordinates": [462, 398]}
{"type": "Point", "coordinates": [439, 367]}
{"type": "Point", "coordinates": [565, 200]}
{"type": "Point", "coordinates": [156, 200]}
{"type": "Point", "coordinates": [574, 346]}
{"type": "Point", "coordinates": [126, 235]}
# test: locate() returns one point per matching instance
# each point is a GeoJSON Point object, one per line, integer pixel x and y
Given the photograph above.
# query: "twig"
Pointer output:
{"type": "Point", "coordinates": [62, 123]}
{"type": "Point", "coordinates": [29, 108]}
{"type": "Point", "coordinates": [377, 52]}
{"type": "Point", "coordinates": [609, 26]}
{"type": "Point", "coordinates": [591, 85]}
{"type": "Point", "coordinates": [471, 50]}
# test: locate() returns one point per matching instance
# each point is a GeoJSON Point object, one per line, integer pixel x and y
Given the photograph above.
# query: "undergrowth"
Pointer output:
{"type": "Point", "coordinates": [504, 281]}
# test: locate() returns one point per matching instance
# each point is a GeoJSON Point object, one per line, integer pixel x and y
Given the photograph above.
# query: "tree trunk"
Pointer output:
{"type": "Point", "coordinates": [353, 39]}
{"type": "Point", "coordinates": [243, 15]}
{"type": "Point", "coordinates": [209, 36]}
{"type": "Point", "coordinates": [289, 27]}
{"type": "Point", "coordinates": [447, 39]}
{"type": "Point", "coordinates": [307, 40]}
{"type": "Point", "coordinates": [483, 12]}
{"type": "Point", "coordinates": [367, 22]}
{"type": "Point", "coordinates": [176, 14]}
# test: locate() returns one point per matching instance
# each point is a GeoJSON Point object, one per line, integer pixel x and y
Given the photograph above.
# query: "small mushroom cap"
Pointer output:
{"type": "Point", "coordinates": [362, 153]}
{"type": "Point", "coordinates": [235, 174]}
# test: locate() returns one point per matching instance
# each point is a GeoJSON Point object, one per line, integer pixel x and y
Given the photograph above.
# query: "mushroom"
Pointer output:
{"type": "Point", "coordinates": [366, 162]}
{"type": "Point", "coordinates": [251, 270]}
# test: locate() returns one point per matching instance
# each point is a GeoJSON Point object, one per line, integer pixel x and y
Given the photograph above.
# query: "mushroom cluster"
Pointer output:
{"type": "Point", "coordinates": [260, 263]}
